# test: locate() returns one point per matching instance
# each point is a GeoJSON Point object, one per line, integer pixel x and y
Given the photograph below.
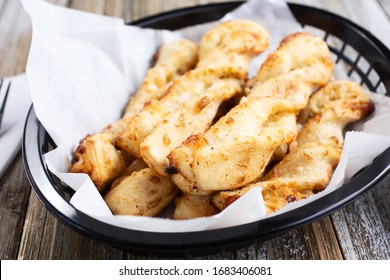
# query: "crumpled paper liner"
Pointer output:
{"type": "Point", "coordinates": [82, 67]}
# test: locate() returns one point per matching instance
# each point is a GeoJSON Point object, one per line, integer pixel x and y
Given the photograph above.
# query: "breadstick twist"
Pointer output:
{"type": "Point", "coordinates": [309, 165]}
{"type": "Point", "coordinates": [236, 150]}
{"type": "Point", "coordinates": [191, 103]}
{"type": "Point", "coordinates": [96, 154]}
{"type": "Point", "coordinates": [224, 49]}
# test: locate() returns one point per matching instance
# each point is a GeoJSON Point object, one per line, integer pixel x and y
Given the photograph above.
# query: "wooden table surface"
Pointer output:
{"type": "Point", "coordinates": [361, 230]}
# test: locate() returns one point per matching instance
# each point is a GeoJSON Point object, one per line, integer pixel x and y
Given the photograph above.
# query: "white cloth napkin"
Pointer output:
{"type": "Point", "coordinates": [11, 132]}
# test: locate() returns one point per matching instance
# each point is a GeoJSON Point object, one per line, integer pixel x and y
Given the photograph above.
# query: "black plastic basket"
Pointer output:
{"type": "Point", "coordinates": [367, 61]}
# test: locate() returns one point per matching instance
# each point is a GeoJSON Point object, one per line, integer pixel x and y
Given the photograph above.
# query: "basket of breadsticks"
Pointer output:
{"type": "Point", "coordinates": [207, 137]}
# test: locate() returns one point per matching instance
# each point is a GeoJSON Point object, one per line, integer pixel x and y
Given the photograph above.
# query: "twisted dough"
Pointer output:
{"type": "Point", "coordinates": [96, 154]}
{"type": "Point", "coordinates": [309, 165]}
{"type": "Point", "coordinates": [191, 103]}
{"type": "Point", "coordinates": [174, 59]}
{"type": "Point", "coordinates": [188, 107]}
{"type": "Point", "coordinates": [236, 150]}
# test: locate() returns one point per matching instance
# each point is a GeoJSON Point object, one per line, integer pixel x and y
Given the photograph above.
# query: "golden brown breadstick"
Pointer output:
{"type": "Point", "coordinates": [236, 150]}
{"type": "Point", "coordinates": [191, 103]}
{"type": "Point", "coordinates": [313, 156]}
{"type": "Point", "coordinates": [97, 155]}
{"type": "Point", "coordinates": [174, 59]}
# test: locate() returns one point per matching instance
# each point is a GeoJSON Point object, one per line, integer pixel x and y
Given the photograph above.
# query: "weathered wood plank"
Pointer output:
{"type": "Point", "coordinates": [145, 8]}
{"type": "Point", "coordinates": [326, 240]}
{"type": "Point", "coordinates": [13, 49]}
{"type": "Point", "coordinates": [314, 241]}
{"type": "Point", "coordinates": [14, 187]}
{"type": "Point", "coordinates": [14, 194]}
{"type": "Point", "coordinates": [34, 226]}
{"type": "Point", "coordinates": [119, 8]}
{"type": "Point", "coordinates": [363, 227]}
{"type": "Point", "coordinates": [96, 6]}
{"type": "Point", "coordinates": [44, 237]}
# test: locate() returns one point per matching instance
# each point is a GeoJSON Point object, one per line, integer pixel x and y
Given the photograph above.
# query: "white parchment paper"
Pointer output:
{"type": "Point", "coordinates": [83, 67]}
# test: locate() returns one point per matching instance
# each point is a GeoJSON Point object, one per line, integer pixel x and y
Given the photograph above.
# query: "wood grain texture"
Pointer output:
{"type": "Point", "coordinates": [14, 188]}
{"type": "Point", "coordinates": [146, 8]}
{"type": "Point", "coordinates": [44, 237]}
{"type": "Point", "coordinates": [363, 227]}
{"type": "Point", "coordinates": [13, 48]}
{"type": "Point", "coordinates": [359, 231]}
{"type": "Point", "coordinates": [14, 194]}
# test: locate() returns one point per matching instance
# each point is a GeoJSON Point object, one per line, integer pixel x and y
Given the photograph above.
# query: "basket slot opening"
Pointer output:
{"type": "Point", "coordinates": [357, 67]}
{"type": "Point", "coordinates": [363, 65]}
{"type": "Point", "coordinates": [356, 77]}
{"type": "Point", "coordinates": [365, 87]}
{"type": "Point", "coordinates": [351, 53]}
{"type": "Point", "coordinates": [377, 84]}
{"type": "Point", "coordinates": [334, 42]}
{"type": "Point", "coordinates": [354, 65]}
{"type": "Point", "coordinates": [374, 78]}
{"type": "Point", "coordinates": [334, 55]}
{"type": "Point", "coordinates": [345, 67]}
{"type": "Point", "coordinates": [381, 89]}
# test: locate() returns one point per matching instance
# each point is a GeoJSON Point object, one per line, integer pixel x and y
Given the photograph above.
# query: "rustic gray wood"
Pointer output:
{"type": "Point", "coordinates": [14, 188]}
{"type": "Point", "coordinates": [363, 226]}
{"type": "Point", "coordinates": [359, 231]}
{"type": "Point", "coordinates": [44, 237]}
{"type": "Point", "coordinates": [14, 194]}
